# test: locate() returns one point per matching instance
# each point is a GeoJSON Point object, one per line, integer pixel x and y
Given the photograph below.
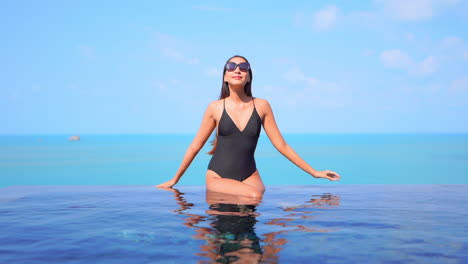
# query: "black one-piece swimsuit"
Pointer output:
{"type": "Point", "coordinates": [234, 154]}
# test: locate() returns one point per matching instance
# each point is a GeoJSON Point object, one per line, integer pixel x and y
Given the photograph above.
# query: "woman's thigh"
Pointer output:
{"type": "Point", "coordinates": [224, 198]}
{"type": "Point", "coordinates": [256, 181]}
{"type": "Point", "coordinates": [251, 188]}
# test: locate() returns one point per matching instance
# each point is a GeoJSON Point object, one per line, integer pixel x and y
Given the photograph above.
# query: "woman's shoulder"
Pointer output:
{"type": "Point", "coordinates": [263, 103]}
{"type": "Point", "coordinates": [216, 103]}
{"type": "Point", "coordinates": [260, 100]}
{"type": "Point", "coordinates": [214, 106]}
{"type": "Point", "coordinates": [263, 106]}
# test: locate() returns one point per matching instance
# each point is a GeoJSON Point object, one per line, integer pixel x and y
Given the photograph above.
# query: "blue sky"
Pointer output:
{"type": "Point", "coordinates": [78, 67]}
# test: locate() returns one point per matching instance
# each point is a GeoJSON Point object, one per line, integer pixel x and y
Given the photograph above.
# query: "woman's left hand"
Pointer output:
{"type": "Point", "coordinates": [327, 174]}
{"type": "Point", "coordinates": [167, 184]}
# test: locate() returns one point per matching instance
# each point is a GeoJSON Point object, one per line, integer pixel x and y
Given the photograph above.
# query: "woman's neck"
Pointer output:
{"type": "Point", "coordinates": [238, 95]}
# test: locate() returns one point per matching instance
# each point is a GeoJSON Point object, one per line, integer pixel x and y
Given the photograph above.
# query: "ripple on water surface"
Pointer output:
{"type": "Point", "coordinates": [291, 224]}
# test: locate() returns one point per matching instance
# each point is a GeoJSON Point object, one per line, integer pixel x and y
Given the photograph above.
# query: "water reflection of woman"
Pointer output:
{"type": "Point", "coordinates": [231, 235]}
{"type": "Point", "coordinates": [234, 236]}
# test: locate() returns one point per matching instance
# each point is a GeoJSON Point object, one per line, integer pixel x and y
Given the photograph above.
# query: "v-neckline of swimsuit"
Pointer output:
{"type": "Point", "coordinates": [234, 123]}
{"type": "Point", "coordinates": [234, 154]}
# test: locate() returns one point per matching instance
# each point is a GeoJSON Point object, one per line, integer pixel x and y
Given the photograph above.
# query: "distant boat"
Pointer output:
{"type": "Point", "coordinates": [74, 138]}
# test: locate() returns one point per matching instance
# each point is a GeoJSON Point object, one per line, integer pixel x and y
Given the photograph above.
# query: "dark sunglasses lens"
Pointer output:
{"type": "Point", "coordinates": [244, 66]}
{"type": "Point", "coordinates": [231, 66]}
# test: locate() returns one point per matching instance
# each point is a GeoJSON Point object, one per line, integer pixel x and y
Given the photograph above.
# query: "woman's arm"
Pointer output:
{"type": "Point", "coordinates": [271, 129]}
{"type": "Point", "coordinates": [206, 128]}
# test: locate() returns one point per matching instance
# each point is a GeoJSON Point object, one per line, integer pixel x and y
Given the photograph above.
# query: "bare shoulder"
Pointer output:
{"type": "Point", "coordinates": [215, 107]}
{"type": "Point", "coordinates": [263, 106]}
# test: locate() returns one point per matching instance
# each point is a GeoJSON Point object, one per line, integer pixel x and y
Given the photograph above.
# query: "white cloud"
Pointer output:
{"type": "Point", "coordinates": [414, 10]}
{"type": "Point", "coordinates": [72, 86]}
{"type": "Point", "coordinates": [172, 53]}
{"type": "Point", "coordinates": [213, 8]}
{"type": "Point", "coordinates": [454, 47]}
{"type": "Point", "coordinates": [433, 87]}
{"type": "Point", "coordinates": [363, 15]}
{"type": "Point", "coordinates": [395, 59]}
{"type": "Point", "coordinates": [282, 60]}
{"type": "Point", "coordinates": [269, 88]}
{"type": "Point", "coordinates": [174, 48]}
{"type": "Point", "coordinates": [361, 19]}
{"type": "Point", "coordinates": [408, 10]}
{"type": "Point", "coordinates": [368, 52]}
{"type": "Point", "coordinates": [160, 86]}
{"type": "Point", "coordinates": [410, 36]}
{"type": "Point", "coordinates": [427, 66]}
{"type": "Point", "coordinates": [213, 72]}
{"type": "Point", "coordinates": [86, 52]}
{"type": "Point", "coordinates": [35, 88]}
{"type": "Point", "coordinates": [13, 95]}
{"type": "Point", "coordinates": [193, 61]}
{"type": "Point", "coordinates": [299, 19]}
{"type": "Point", "coordinates": [175, 82]}
{"type": "Point", "coordinates": [325, 18]}
{"type": "Point", "coordinates": [460, 85]}
{"type": "Point", "coordinates": [398, 59]}
{"type": "Point", "coordinates": [312, 91]}
{"type": "Point", "coordinates": [295, 75]}
{"type": "Point", "coordinates": [451, 42]}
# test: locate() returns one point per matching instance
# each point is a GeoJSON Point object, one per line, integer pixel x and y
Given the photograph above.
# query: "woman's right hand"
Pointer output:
{"type": "Point", "coordinates": [167, 184]}
{"type": "Point", "coordinates": [327, 174]}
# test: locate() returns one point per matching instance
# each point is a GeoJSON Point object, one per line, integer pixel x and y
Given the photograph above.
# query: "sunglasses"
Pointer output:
{"type": "Point", "coordinates": [243, 66]}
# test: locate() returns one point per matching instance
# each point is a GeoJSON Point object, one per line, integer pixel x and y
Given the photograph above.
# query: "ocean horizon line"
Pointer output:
{"type": "Point", "coordinates": [194, 133]}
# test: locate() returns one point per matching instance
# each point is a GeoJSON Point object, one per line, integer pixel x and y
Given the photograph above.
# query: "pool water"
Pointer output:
{"type": "Point", "coordinates": [291, 224]}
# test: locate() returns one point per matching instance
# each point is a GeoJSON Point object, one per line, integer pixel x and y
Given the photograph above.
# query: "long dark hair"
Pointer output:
{"type": "Point", "coordinates": [225, 93]}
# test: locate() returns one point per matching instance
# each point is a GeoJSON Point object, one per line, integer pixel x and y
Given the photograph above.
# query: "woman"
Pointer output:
{"type": "Point", "coordinates": [238, 118]}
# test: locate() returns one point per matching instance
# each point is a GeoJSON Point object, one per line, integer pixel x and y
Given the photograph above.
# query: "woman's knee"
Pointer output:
{"type": "Point", "coordinates": [255, 193]}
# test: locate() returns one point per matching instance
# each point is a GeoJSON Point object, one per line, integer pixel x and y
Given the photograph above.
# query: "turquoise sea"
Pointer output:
{"type": "Point", "coordinates": [152, 159]}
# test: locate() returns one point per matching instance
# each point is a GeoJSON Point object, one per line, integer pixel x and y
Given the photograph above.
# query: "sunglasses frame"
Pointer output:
{"type": "Point", "coordinates": [237, 65]}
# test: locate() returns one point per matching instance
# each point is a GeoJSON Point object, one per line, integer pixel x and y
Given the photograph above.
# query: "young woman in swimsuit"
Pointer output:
{"type": "Point", "coordinates": [238, 118]}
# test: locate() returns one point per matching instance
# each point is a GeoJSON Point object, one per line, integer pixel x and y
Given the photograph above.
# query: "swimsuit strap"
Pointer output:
{"type": "Point", "coordinates": [253, 100]}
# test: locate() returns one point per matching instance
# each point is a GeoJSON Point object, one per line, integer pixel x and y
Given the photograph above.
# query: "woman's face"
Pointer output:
{"type": "Point", "coordinates": [236, 77]}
